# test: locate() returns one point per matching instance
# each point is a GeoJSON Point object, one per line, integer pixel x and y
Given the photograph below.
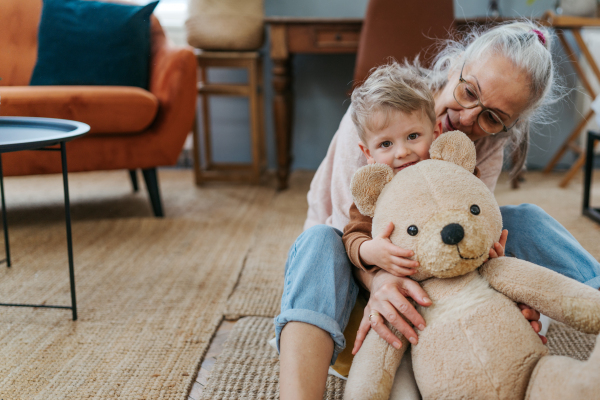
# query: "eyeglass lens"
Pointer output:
{"type": "Point", "coordinates": [465, 95]}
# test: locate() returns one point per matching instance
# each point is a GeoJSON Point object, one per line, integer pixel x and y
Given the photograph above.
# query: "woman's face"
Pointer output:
{"type": "Point", "coordinates": [501, 87]}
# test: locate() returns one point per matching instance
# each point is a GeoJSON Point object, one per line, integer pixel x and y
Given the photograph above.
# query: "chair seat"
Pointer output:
{"type": "Point", "coordinates": [109, 110]}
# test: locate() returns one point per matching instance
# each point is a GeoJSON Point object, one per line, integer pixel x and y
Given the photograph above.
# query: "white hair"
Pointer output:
{"type": "Point", "coordinates": [525, 43]}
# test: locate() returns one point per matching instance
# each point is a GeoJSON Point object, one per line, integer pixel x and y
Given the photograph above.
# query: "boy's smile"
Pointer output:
{"type": "Point", "coordinates": [399, 139]}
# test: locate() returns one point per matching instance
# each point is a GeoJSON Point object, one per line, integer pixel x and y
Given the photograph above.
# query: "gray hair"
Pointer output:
{"type": "Point", "coordinates": [520, 43]}
{"type": "Point", "coordinates": [390, 87]}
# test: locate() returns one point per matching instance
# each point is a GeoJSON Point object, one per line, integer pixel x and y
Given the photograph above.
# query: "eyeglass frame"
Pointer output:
{"type": "Point", "coordinates": [480, 104]}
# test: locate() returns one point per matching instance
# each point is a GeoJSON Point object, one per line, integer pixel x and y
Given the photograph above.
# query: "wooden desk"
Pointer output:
{"type": "Point", "coordinates": [574, 24]}
{"type": "Point", "coordinates": [291, 36]}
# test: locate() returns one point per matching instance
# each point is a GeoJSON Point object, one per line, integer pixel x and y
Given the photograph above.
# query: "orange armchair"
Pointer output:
{"type": "Point", "coordinates": [131, 128]}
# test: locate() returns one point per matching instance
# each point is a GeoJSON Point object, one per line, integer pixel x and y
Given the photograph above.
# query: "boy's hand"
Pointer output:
{"type": "Point", "coordinates": [498, 249]}
{"type": "Point", "coordinates": [380, 251]}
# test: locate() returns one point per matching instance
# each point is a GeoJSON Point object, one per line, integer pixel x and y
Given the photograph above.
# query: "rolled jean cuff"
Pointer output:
{"type": "Point", "coordinates": [594, 282]}
{"type": "Point", "coordinates": [319, 320]}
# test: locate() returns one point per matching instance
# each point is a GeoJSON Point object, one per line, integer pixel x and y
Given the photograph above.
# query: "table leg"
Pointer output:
{"type": "Point", "coordinates": [4, 220]}
{"type": "Point", "coordinates": [282, 111]}
{"type": "Point", "coordinates": [282, 107]}
{"type": "Point", "coordinates": [63, 156]}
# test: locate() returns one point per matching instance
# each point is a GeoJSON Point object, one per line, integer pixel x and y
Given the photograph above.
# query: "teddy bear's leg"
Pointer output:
{"type": "Point", "coordinates": [405, 385]}
{"type": "Point", "coordinates": [558, 377]}
{"type": "Point", "coordinates": [373, 368]}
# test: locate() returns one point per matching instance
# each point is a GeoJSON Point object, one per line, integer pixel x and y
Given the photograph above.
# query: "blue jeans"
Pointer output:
{"type": "Point", "coordinates": [319, 288]}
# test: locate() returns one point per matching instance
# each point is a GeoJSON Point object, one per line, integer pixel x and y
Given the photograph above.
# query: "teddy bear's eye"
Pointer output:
{"type": "Point", "coordinates": [412, 230]}
{"type": "Point", "coordinates": [475, 209]}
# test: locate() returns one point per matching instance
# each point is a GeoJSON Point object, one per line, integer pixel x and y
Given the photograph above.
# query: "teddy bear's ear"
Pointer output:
{"type": "Point", "coordinates": [454, 147]}
{"type": "Point", "coordinates": [367, 184]}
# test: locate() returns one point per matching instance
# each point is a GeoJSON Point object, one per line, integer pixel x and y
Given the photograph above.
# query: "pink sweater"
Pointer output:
{"type": "Point", "coordinates": [329, 197]}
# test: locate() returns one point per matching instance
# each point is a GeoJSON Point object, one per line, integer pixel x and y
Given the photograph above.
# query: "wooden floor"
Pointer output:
{"type": "Point", "coordinates": [216, 347]}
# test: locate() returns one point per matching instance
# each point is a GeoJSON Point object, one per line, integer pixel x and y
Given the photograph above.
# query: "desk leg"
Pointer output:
{"type": "Point", "coordinates": [282, 108]}
{"type": "Point", "coordinates": [4, 220]}
{"type": "Point", "coordinates": [63, 156]}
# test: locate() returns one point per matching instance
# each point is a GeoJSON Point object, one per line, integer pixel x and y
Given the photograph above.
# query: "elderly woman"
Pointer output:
{"type": "Point", "coordinates": [491, 86]}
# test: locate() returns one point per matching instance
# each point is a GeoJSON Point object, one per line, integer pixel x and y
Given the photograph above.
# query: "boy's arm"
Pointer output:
{"type": "Point", "coordinates": [356, 233]}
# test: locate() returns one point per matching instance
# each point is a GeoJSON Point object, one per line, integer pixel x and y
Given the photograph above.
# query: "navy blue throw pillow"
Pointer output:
{"type": "Point", "coordinates": [84, 42]}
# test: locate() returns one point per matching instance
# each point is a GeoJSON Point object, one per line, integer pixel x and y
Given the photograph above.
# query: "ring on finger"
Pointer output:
{"type": "Point", "coordinates": [374, 314]}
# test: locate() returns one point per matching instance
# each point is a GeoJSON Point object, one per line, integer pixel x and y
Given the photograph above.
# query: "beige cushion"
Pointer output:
{"type": "Point", "coordinates": [225, 24]}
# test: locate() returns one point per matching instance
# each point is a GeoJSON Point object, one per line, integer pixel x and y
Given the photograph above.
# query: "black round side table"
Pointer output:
{"type": "Point", "coordinates": [29, 133]}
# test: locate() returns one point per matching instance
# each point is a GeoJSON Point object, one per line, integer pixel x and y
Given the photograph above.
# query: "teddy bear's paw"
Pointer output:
{"type": "Point", "coordinates": [582, 314]}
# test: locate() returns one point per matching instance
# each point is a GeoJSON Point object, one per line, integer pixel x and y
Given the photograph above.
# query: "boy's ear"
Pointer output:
{"type": "Point", "coordinates": [367, 184]}
{"type": "Point", "coordinates": [366, 152]}
{"type": "Point", "coordinates": [454, 147]}
{"type": "Point", "coordinates": [437, 129]}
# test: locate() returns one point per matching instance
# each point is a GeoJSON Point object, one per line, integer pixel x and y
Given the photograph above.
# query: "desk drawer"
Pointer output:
{"type": "Point", "coordinates": [323, 38]}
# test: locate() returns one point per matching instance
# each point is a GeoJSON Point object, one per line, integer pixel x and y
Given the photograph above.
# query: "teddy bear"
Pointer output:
{"type": "Point", "coordinates": [476, 343]}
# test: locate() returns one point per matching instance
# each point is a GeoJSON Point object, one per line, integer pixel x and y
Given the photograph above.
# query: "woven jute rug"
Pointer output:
{"type": "Point", "coordinates": [248, 368]}
{"type": "Point", "coordinates": [151, 292]}
{"type": "Point", "coordinates": [258, 292]}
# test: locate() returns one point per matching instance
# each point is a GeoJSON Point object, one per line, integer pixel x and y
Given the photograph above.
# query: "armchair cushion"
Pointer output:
{"type": "Point", "coordinates": [93, 43]}
{"type": "Point", "coordinates": [113, 110]}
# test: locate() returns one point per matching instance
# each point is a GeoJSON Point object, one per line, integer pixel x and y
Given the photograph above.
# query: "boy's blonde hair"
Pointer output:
{"type": "Point", "coordinates": [391, 87]}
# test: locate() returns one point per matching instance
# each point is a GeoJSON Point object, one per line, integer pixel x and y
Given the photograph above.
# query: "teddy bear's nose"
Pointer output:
{"type": "Point", "coordinates": [453, 234]}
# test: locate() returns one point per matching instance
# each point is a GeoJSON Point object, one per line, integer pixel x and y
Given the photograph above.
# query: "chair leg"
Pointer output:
{"type": "Point", "coordinates": [134, 179]}
{"type": "Point", "coordinates": [151, 180]}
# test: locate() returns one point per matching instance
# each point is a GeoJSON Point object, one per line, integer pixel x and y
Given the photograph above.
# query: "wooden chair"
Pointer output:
{"type": "Point", "coordinates": [205, 168]}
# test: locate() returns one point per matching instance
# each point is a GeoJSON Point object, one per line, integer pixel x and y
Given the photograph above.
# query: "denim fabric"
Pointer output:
{"type": "Point", "coordinates": [535, 236]}
{"type": "Point", "coordinates": [319, 288]}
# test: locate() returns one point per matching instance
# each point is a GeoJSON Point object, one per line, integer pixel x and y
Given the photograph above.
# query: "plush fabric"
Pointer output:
{"type": "Point", "coordinates": [476, 343]}
{"type": "Point", "coordinates": [93, 43]}
{"type": "Point", "coordinates": [131, 109]}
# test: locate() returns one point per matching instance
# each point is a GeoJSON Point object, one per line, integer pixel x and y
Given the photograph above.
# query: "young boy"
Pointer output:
{"type": "Point", "coordinates": [393, 111]}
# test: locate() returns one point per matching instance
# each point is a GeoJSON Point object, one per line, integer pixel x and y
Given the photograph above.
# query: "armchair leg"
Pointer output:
{"type": "Point", "coordinates": [151, 180]}
{"type": "Point", "coordinates": [134, 179]}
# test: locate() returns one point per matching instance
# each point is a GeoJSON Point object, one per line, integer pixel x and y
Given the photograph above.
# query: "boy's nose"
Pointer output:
{"type": "Point", "coordinates": [402, 152]}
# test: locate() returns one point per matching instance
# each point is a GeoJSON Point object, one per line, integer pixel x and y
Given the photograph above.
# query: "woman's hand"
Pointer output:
{"type": "Point", "coordinates": [499, 246]}
{"type": "Point", "coordinates": [534, 319]}
{"type": "Point", "coordinates": [388, 298]}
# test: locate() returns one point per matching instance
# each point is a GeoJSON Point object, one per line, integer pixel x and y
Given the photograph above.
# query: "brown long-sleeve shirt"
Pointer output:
{"type": "Point", "coordinates": [356, 233]}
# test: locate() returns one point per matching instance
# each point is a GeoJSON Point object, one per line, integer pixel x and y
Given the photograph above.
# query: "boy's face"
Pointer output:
{"type": "Point", "coordinates": [403, 142]}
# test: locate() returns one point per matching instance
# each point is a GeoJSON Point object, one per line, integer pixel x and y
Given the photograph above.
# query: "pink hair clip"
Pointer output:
{"type": "Point", "coordinates": [540, 36]}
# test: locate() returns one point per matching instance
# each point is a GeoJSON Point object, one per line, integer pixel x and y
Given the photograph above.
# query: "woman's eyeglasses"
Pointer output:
{"type": "Point", "coordinates": [466, 96]}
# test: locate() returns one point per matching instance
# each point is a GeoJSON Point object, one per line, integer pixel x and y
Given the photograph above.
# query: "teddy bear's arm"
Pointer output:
{"type": "Point", "coordinates": [555, 295]}
{"type": "Point", "coordinates": [374, 368]}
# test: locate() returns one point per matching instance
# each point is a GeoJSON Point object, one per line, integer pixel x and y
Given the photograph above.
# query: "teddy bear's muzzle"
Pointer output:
{"type": "Point", "coordinates": [453, 243]}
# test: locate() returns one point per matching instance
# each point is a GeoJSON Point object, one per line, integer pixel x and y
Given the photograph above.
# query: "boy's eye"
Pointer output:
{"type": "Point", "coordinates": [413, 136]}
{"type": "Point", "coordinates": [387, 143]}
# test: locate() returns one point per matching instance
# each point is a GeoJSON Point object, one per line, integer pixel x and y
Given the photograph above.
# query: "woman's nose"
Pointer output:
{"type": "Point", "coordinates": [469, 116]}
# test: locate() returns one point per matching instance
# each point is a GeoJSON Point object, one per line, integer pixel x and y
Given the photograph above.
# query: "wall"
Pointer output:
{"type": "Point", "coordinates": [320, 85]}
